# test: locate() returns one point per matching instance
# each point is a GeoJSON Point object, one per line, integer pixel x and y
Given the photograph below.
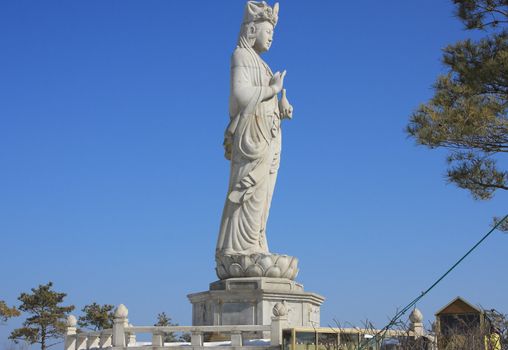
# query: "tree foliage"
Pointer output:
{"type": "Point", "coordinates": [7, 312]}
{"type": "Point", "coordinates": [97, 317]}
{"type": "Point", "coordinates": [482, 14]}
{"type": "Point", "coordinates": [164, 320]}
{"type": "Point", "coordinates": [47, 320]}
{"type": "Point", "coordinates": [468, 114]}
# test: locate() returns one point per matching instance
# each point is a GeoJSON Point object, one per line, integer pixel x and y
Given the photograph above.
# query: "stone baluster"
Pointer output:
{"type": "Point", "coordinates": [70, 333]}
{"type": "Point", "coordinates": [131, 338]}
{"type": "Point", "coordinates": [279, 322]}
{"type": "Point", "coordinates": [236, 338]}
{"type": "Point", "coordinates": [92, 342]}
{"type": "Point", "coordinates": [105, 340]}
{"type": "Point", "coordinates": [196, 338]}
{"type": "Point", "coordinates": [81, 341]}
{"type": "Point", "coordinates": [157, 338]}
{"type": "Point", "coordinates": [119, 323]}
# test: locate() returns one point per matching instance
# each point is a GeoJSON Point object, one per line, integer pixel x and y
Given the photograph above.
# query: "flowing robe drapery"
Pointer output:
{"type": "Point", "coordinates": [252, 143]}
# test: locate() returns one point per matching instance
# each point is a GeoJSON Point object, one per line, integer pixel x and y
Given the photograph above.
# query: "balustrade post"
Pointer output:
{"type": "Point", "coordinates": [119, 323]}
{"type": "Point", "coordinates": [70, 333]}
{"type": "Point", "coordinates": [279, 322]}
{"type": "Point", "coordinates": [157, 338]}
{"type": "Point", "coordinates": [416, 323]}
{"type": "Point", "coordinates": [236, 338]}
{"type": "Point", "coordinates": [196, 338]}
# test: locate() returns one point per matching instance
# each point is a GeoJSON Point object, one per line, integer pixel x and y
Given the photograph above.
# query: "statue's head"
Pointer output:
{"type": "Point", "coordinates": [258, 24]}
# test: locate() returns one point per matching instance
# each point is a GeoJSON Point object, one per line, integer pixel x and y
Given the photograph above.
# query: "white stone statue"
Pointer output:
{"type": "Point", "coordinates": [253, 144]}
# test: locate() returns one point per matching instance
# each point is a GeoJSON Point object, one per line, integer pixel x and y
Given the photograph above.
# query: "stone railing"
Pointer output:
{"type": "Point", "coordinates": [123, 334]}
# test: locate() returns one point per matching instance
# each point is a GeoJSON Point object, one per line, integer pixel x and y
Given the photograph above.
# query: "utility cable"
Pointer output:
{"type": "Point", "coordinates": [382, 333]}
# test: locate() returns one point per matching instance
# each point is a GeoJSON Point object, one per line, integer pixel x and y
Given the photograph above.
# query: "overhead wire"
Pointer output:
{"type": "Point", "coordinates": [379, 336]}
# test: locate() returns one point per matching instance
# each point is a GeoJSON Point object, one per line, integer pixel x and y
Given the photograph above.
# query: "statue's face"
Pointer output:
{"type": "Point", "coordinates": [264, 37]}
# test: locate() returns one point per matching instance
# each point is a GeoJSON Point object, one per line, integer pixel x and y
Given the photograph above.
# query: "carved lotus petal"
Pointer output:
{"type": "Point", "coordinates": [273, 271]}
{"type": "Point", "coordinates": [266, 262]}
{"type": "Point", "coordinates": [256, 265]}
{"type": "Point", "coordinates": [254, 271]}
{"type": "Point", "coordinates": [246, 261]}
{"type": "Point", "coordinates": [283, 263]}
{"type": "Point", "coordinates": [235, 270]}
{"type": "Point", "coordinates": [221, 272]}
{"type": "Point", "coordinates": [255, 258]}
{"type": "Point", "coordinates": [226, 260]}
{"type": "Point", "coordinates": [291, 273]}
{"type": "Point", "coordinates": [294, 263]}
{"type": "Point", "coordinates": [280, 309]}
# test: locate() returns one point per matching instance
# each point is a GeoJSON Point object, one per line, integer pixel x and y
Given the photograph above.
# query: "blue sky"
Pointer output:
{"type": "Point", "coordinates": [113, 179]}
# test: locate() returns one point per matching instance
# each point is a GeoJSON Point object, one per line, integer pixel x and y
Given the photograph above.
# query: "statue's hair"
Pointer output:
{"type": "Point", "coordinates": [248, 32]}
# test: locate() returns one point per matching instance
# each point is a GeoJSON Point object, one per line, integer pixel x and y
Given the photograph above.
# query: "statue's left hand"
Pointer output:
{"type": "Point", "coordinates": [285, 107]}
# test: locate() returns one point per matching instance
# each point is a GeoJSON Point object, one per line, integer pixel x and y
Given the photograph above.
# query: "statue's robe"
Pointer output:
{"type": "Point", "coordinates": [252, 143]}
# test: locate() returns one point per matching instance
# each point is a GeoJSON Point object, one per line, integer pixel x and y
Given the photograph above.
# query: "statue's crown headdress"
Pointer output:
{"type": "Point", "coordinates": [259, 11]}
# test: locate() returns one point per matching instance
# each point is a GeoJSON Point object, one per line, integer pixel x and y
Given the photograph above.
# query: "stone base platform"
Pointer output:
{"type": "Point", "coordinates": [250, 301]}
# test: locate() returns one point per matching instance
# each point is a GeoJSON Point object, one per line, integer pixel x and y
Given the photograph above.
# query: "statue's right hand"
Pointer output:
{"type": "Point", "coordinates": [277, 81]}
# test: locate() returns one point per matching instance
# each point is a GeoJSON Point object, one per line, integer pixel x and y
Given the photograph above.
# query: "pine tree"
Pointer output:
{"type": "Point", "coordinates": [468, 114]}
{"type": "Point", "coordinates": [97, 317]}
{"type": "Point", "coordinates": [47, 320]}
{"type": "Point", "coordinates": [7, 312]}
{"type": "Point", "coordinates": [164, 320]}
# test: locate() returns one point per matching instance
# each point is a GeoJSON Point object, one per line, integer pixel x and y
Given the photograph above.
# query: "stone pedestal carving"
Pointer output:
{"type": "Point", "coordinates": [250, 301]}
{"type": "Point", "coordinates": [256, 265]}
